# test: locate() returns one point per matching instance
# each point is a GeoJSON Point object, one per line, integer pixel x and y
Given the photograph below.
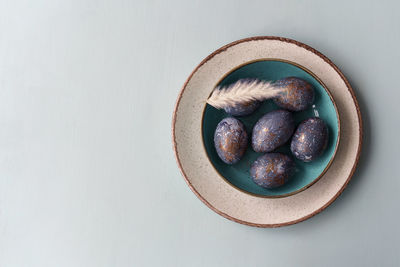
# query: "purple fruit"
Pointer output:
{"type": "Point", "coordinates": [272, 130]}
{"type": "Point", "coordinates": [242, 109]}
{"type": "Point", "coordinates": [272, 170]}
{"type": "Point", "coordinates": [297, 95]}
{"type": "Point", "coordinates": [230, 140]}
{"type": "Point", "coordinates": [310, 139]}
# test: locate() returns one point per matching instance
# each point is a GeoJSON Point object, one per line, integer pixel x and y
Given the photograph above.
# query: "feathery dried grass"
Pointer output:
{"type": "Point", "coordinates": [241, 92]}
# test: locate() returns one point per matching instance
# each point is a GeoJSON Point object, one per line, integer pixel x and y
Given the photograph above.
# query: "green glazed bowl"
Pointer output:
{"type": "Point", "coordinates": [307, 173]}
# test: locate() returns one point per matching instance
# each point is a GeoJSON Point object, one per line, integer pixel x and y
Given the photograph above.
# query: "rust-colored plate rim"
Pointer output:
{"type": "Point", "coordinates": [349, 88]}
{"type": "Point", "coordinates": [337, 139]}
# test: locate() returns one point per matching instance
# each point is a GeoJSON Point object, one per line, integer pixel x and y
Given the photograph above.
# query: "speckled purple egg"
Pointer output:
{"type": "Point", "coordinates": [272, 170]}
{"type": "Point", "coordinates": [310, 139]}
{"type": "Point", "coordinates": [297, 94]}
{"type": "Point", "coordinates": [242, 109]}
{"type": "Point", "coordinates": [272, 130]}
{"type": "Point", "coordinates": [230, 140]}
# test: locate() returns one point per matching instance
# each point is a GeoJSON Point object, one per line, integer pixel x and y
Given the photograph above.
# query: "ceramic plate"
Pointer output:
{"type": "Point", "coordinates": [222, 195]}
{"type": "Point", "coordinates": [306, 173]}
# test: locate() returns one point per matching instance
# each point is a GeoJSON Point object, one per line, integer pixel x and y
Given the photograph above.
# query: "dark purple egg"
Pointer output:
{"type": "Point", "coordinates": [272, 170]}
{"type": "Point", "coordinates": [230, 140]}
{"type": "Point", "coordinates": [310, 139]}
{"type": "Point", "coordinates": [242, 109]}
{"type": "Point", "coordinates": [297, 95]}
{"type": "Point", "coordinates": [272, 130]}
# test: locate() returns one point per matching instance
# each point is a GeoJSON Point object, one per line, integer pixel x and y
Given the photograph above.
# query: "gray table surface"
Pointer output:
{"type": "Point", "coordinates": [87, 172]}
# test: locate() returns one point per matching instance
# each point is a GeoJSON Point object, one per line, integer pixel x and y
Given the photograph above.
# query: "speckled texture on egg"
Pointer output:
{"type": "Point", "coordinates": [242, 109]}
{"type": "Point", "coordinates": [230, 140]}
{"type": "Point", "coordinates": [272, 170]}
{"type": "Point", "coordinates": [310, 139]}
{"type": "Point", "coordinates": [297, 95]}
{"type": "Point", "coordinates": [272, 130]}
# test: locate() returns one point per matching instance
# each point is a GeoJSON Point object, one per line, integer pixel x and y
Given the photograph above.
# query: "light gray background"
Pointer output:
{"type": "Point", "coordinates": [87, 173]}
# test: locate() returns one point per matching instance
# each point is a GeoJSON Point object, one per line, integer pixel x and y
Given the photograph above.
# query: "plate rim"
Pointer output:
{"type": "Point", "coordinates": [324, 58]}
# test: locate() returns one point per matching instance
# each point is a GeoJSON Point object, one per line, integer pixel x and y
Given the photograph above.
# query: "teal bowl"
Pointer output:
{"type": "Point", "coordinates": [307, 173]}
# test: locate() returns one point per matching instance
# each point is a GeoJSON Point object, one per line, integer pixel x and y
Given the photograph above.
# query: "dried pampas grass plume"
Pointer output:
{"type": "Point", "coordinates": [242, 92]}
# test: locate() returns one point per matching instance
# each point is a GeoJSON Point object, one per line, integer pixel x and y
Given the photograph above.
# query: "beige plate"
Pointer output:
{"type": "Point", "coordinates": [203, 179]}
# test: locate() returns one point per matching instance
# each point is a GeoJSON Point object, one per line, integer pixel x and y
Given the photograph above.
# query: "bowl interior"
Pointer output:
{"type": "Point", "coordinates": [306, 173]}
